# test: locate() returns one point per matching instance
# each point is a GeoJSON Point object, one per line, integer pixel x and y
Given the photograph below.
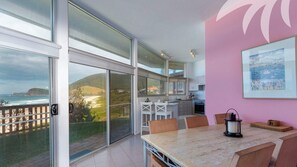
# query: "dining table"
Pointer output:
{"type": "Point", "coordinates": [204, 146]}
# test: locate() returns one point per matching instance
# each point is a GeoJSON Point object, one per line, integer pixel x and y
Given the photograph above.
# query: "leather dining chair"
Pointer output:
{"type": "Point", "coordinates": [164, 125]}
{"type": "Point", "coordinates": [196, 121]}
{"type": "Point", "coordinates": [161, 126]}
{"type": "Point", "coordinates": [257, 156]}
{"type": "Point", "coordinates": [285, 154]}
{"type": "Point", "coordinates": [220, 118]}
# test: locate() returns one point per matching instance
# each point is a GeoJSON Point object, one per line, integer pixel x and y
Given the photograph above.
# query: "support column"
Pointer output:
{"type": "Point", "coordinates": [136, 115]}
{"type": "Point", "coordinates": [60, 37]}
{"type": "Point", "coordinates": [167, 74]}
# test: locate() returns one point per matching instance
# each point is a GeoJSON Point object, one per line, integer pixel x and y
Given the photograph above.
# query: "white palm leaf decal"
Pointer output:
{"type": "Point", "coordinates": [255, 6]}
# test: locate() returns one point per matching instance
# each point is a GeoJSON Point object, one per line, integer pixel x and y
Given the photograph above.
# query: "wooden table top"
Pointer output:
{"type": "Point", "coordinates": [207, 146]}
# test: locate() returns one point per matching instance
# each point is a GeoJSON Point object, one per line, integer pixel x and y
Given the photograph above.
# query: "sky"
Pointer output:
{"type": "Point", "coordinates": [77, 71]}
{"type": "Point", "coordinates": [21, 71]}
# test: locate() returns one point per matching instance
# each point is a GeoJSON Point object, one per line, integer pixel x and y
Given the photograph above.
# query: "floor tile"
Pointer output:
{"type": "Point", "coordinates": [125, 153]}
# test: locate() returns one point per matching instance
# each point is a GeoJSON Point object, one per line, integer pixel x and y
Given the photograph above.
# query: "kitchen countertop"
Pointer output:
{"type": "Point", "coordinates": [176, 101]}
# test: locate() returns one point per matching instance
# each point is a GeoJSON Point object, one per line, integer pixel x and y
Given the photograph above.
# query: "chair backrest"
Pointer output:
{"type": "Point", "coordinates": [286, 151]}
{"type": "Point", "coordinates": [146, 106]}
{"type": "Point", "coordinates": [257, 156]}
{"type": "Point", "coordinates": [164, 125]}
{"type": "Point", "coordinates": [220, 118]}
{"type": "Point", "coordinates": [160, 107]}
{"type": "Point", "coordinates": [196, 121]}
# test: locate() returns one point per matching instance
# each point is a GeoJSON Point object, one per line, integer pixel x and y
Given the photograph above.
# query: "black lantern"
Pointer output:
{"type": "Point", "coordinates": [233, 124]}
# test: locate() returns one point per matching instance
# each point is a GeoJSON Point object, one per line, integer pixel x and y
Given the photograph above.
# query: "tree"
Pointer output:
{"type": "Point", "coordinates": [99, 113]}
{"type": "Point", "coordinates": [82, 109]}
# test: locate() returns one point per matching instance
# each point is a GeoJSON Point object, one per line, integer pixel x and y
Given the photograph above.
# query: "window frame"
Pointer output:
{"type": "Point", "coordinates": [175, 81]}
{"type": "Point", "coordinates": [150, 75]}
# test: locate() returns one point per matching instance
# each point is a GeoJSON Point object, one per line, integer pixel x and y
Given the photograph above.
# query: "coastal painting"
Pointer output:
{"type": "Point", "coordinates": [269, 71]}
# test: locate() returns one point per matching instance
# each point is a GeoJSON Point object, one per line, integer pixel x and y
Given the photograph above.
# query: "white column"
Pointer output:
{"type": "Point", "coordinates": [60, 36]}
{"type": "Point", "coordinates": [167, 74]}
{"type": "Point", "coordinates": [135, 87]}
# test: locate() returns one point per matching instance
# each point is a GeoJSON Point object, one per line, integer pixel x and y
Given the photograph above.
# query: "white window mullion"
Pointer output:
{"type": "Point", "coordinates": [60, 36]}
{"type": "Point", "coordinates": [19, 41]}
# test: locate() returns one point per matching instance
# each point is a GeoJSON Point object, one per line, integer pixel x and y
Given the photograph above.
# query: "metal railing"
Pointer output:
{"type": "Point", "coordinates": [23, 117]}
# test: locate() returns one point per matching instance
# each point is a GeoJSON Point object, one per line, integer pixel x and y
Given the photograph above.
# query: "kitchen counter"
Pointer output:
{"type": "Point", "coordinates": [185, 106]}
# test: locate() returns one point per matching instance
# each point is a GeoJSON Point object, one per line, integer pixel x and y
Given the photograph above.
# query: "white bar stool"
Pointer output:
{"type": "Point", "coordinates": [161, 110]}
{"type": "Point", "coordinates": [146, 114]}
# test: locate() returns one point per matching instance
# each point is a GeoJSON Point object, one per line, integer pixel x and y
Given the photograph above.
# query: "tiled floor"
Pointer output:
{"type": "Point", "coordinates": [126, 153]}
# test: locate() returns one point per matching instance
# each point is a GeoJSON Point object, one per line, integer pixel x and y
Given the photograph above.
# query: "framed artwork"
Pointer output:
{"type": "Point", "coordinates": [269, 71]}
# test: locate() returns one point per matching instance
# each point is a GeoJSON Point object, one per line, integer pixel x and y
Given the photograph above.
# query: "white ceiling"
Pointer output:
{"type": "Point", "coordinates": [174, 26]}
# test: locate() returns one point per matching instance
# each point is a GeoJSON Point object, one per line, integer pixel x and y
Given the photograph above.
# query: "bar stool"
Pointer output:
{"type": "Point", "coordinates": [161, 110]}
{"type": "Point", "coordinates": [146, 114]}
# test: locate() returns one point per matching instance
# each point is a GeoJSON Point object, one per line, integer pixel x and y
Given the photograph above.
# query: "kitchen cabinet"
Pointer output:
{"type": "Point", "coordinates": [185, 107]}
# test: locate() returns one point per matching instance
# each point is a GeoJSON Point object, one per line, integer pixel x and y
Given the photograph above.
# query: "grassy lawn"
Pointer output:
{"type": "Point", "coordinates": [21, 146]}
{"type": "Point", "coordinates": [83, 130]}
{"type": "Point", "coordinates": [17, 147]}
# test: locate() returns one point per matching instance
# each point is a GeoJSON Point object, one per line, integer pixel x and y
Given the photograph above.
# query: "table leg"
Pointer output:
{"type": "Point", "coordinates": [144, 154]}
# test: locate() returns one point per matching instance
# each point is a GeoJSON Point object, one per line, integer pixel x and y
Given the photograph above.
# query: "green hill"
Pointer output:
{"type": "Point", "coordinates": [97, 82]}
{"type": "Point", "coordinates": [37, 92]}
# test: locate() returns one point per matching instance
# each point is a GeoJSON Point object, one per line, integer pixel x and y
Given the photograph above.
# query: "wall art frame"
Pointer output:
{"type": "Point", "coordinates": [269, 71]}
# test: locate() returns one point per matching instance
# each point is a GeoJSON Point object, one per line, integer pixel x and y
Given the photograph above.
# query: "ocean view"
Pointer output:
{"type": "Point", "coordinates": [23, 100]}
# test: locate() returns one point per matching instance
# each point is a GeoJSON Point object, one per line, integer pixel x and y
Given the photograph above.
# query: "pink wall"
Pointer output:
{"type": "Point", "coordinates": [224, 42]}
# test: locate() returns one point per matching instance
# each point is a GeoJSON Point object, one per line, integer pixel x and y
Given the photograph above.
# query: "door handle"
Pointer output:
{"type": "Point", "coordinates": [71, 108]}
{"type": "Point", "coordinates": [54, 109]}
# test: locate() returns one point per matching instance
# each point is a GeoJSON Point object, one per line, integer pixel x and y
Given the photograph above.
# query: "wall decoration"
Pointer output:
{"type": "Point", "coordinates": [255, 5]}
{"type": "Point", "coordinates": [269, 71]}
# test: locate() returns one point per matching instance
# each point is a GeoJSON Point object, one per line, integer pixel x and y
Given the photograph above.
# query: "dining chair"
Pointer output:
{"type": "Point", "coordinates": [220, 118]}
{"type": "Point", "coordinates": [155, 162]}
{"type": "Point", "coordinates": [161, 110]}
{"type": "Point", "coordinates": [164, 125]}
{"type": "Point", "coordinates": [146, 114]}
{"type": "Point", "coordinates": [285, 153]}
{"type": "Point", "coordinates": [160, 126]}
{"type": "Point", "coordinates": [257, 156]}
{"type": "Point", "coordinates": [196, 121]}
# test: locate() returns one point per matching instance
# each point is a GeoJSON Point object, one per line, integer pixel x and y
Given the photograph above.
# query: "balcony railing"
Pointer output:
{"type": "Point", "coordinates": [23, 117]}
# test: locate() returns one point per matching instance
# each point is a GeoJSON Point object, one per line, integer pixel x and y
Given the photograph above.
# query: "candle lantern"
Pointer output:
{"type": "Point", "coordinates": [233, 124]}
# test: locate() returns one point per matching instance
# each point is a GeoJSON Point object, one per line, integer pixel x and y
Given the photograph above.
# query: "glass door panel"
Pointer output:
{"type": "Point", "coordinates": [87, 92]}
{"type": "Point", "coordinates": [120, 106]}
{"type": "Point", "coordinates": [24, 109]}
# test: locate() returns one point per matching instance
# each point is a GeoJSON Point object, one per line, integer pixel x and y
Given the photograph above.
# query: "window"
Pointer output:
{"type": "Point", "coordinates": [150, 61]}
{"type": "Point", "coordinates": [88, 33]}
{"type": "Point", "coordinates": [120, 105]}
{"type": "Point", "coordinates": [150, 86]}
{"type": "Point", "coordinates": [31, 17]}
{"type": "Point", "coordinates": [177, 86]}
{"type": "Point", "coordinates": [155, 87]}
{"type": "Point", "coordinates": [176, 69]}
{"type": "Point", "coordinates": [24, 104]}
{"type": "Point", "coordinates": [87, 122]}
{"type": "Point", "coordinates": [142, 86]}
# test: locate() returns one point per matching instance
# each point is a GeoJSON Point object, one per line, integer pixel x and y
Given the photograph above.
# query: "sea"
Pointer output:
{"type": "Point", "coordinates": [23, 100]}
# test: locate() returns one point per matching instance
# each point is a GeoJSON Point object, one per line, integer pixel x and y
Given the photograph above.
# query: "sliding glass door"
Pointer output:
{"type": "Point", "coordinates": [120, 106]}
{"type": "Point", "coordinates": [87, 92]}
{"type": "Point", "coordinates": [24, 109]}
